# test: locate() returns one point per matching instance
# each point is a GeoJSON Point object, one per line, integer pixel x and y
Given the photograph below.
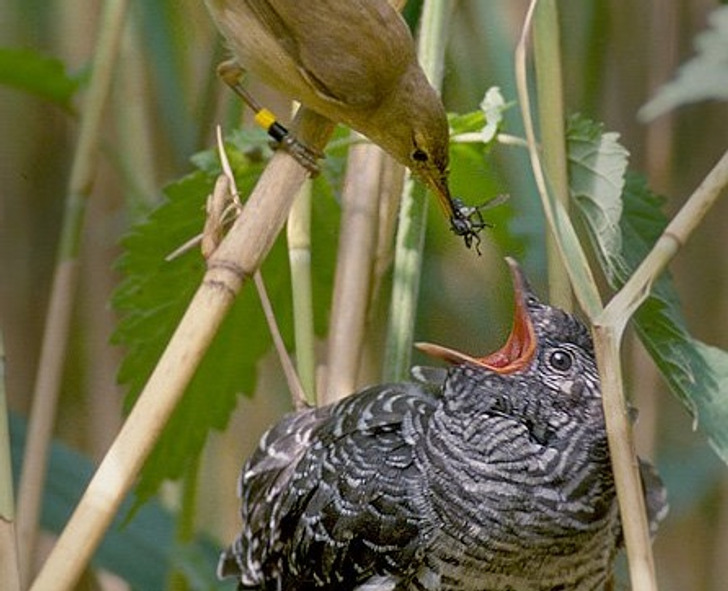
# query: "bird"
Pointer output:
{"type": "Point", "coordinates": [353, 62]}
{"type": "Point", "coordinates": [493, 475]}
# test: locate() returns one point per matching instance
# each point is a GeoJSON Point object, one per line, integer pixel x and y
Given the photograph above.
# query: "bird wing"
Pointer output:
{"type": "Point", "coordinates": [337, 507]}
{"type": "Point", "coordinates": [351, 52]}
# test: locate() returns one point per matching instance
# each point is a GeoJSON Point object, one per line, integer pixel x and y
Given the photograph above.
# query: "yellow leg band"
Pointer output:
{"type": "Point", "coordinates": [265, 118]}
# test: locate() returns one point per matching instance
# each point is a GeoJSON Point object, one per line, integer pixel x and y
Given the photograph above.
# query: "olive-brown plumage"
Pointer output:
{"type": "Point", "coordinates": [494, 477]}
{"type": "Point", "coordinates": [354, 62]}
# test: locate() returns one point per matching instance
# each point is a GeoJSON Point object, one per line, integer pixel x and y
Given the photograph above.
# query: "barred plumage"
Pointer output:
{"type": "Point", "coordinates": [496, 478]}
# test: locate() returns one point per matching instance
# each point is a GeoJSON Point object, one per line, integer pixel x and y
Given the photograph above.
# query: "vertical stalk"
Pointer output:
{"type": "Point", "coordinates": [413, 211]}
{"type": "Point", "coordinates": [621, 448]}
{"type": "Point", "coordinates": [549, 85]}
{"type": "Point", "coordinates": [9, 567]}
{"type": "Point", "coordinates": [55, 337]}
{"type": "Point", "coordinates": [299, 255]}
{"type": "Point", "coordinates": [354, 266]}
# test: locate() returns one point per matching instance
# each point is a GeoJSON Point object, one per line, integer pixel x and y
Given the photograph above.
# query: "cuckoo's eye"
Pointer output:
{"type": "Point", "coordinates": [561, 360]}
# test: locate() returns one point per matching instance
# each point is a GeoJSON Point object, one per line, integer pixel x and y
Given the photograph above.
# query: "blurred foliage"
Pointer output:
{"type": "Point", "coordinates": [703, 77]}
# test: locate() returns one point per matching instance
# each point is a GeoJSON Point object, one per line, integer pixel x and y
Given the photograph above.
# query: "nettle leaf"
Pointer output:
{"type": "Point", "coordinates": [155, 293]}
{"type": "Point", "coordinates": [703, 77]}
{"type": "Point", "coordinates": [696, 373]}
{"type": "Point", "coordinates": [37, 74]}
{"type": "Point", "coordinates": [597, 163]}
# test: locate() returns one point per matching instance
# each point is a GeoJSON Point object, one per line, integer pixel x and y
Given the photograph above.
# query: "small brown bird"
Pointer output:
{"type": "Point", "coordinates": [492, 477]}
{"type": "Point", "coordinates": [354, 62]}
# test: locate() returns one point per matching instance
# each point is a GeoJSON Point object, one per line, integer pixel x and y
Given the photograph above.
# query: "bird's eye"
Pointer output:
{"type": "Point", "coordinates": [561, 360]}
{"type": "Point", "coordinates": [419, 155]}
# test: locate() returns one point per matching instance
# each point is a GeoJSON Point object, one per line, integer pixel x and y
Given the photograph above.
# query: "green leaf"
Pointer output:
{"type": "Point", "coordinates": [696, 373]}
{"type": "Point", "coordinates": [142, 551]}
{"type": "Point", "coordinates": [155, 293]}
{"type": "Point", "coordinates": [485, 122]}
{"type": "Point", "coordinates": [30, 71]}
{"type": "Point", "coordinates": [597, 163]}
{"type": "Point", "coordinates": [703, 77]}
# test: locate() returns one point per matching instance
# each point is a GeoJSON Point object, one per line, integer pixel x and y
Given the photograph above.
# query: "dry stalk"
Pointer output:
{"type": "Point", "coordinates": [234, 261]}
{"type": "Point", "coordinates": [355, 262]}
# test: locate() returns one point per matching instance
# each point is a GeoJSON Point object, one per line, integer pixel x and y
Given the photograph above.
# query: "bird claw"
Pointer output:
{"type": "Point", "coordinates": [304, 155]}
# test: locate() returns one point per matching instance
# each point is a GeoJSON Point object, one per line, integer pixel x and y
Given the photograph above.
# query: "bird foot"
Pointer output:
{"type": "Point", "coordinates": [232, 74]}
{"type": "Point", "coordinates": [303, 154]}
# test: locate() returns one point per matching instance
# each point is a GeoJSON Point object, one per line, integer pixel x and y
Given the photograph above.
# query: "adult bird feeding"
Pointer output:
{"type": "Point", "coordinates": [353, 62]}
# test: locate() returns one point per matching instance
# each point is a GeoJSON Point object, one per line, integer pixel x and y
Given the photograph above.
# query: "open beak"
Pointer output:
{"type": "Point", "coordinates": [520, 346]}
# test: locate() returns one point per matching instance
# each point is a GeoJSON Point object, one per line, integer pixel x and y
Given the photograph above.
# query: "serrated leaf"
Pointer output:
{"type": "Point", "coordinates": [37, 74]}
{"type": "Point", "coordinates": [701, 78]}
{"type": "Point", "coordinates": [155, 293]}
{"type": "Point", "coordinates": [597, 163]}
{"type": "Point", "coordinates": [696, 373]}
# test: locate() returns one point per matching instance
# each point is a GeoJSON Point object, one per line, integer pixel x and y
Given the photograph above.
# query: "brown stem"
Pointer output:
{"type": "Point", "coordinates": [234, 261]}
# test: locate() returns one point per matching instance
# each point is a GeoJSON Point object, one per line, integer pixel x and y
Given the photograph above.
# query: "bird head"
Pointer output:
{"type": "Point", "coordinates": [545, 344]}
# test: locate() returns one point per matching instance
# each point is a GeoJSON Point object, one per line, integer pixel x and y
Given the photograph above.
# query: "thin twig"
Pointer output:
{"type": "Point", "coordinates": [637, 288]}
{"type": "Point", "coordinates": [294, 384]}
{"type": "Point", "coordinates": [582, 279]}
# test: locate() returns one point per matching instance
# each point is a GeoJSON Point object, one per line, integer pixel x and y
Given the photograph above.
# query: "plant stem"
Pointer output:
{"type": "Point", "coordinates": [55, 336]}
{"type": "Point", "coordinates": [235, 260]}
{"type": "Point", "coordinates": [606, 342]}
{"type": "Point", "coordinates": [9, 567]}
{"type": "Point", "coordinates": [413, 211]}
{"type": "Point", "coordinates": [569, 247]}
{"type": "Point", "coordinates": [677, 232]}
{"type": "Point", "coordinates": [547, 61]}
{"type": "Point", "coordinates": [630, 494]}
{"type": "Point", "coordinates": [354, 266]}
{"type": "Point", "coordinates": [298, 230]}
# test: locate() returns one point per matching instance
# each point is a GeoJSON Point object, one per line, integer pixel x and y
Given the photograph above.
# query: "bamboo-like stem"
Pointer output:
{"type": "Point", "coordinates": [571, 251]}
{"type": "Point", "coordinates": [234, 261]}
{"type": "Point", "coordinates": [413, 210]}
{"type": "Point", "coordinates": [9, 567]}
{"type": "Point", "coordinates": [352, 284]}
{"type": "Point", "coordinates": [609, 322]}
{"type": "Point", "coordinates": [607, 341]}
{"type": "Point", "coordinates": [608, 330]}
{"type": "Point", "coordinates": [55, 336]}
{"type": "Point", "coordinates": [298, 231]}
{"type": "Point", "coordinates": [551, 120]}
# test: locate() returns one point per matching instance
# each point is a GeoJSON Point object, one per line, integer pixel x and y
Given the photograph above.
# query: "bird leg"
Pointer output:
{"type": "Point", "coordinates": [232, 74]}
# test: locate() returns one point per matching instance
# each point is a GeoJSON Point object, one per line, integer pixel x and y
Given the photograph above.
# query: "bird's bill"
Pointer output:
{"type": "Point", "coordinates": [437, 183]}
{"type": "Point", "coordinates": [519, 348]}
